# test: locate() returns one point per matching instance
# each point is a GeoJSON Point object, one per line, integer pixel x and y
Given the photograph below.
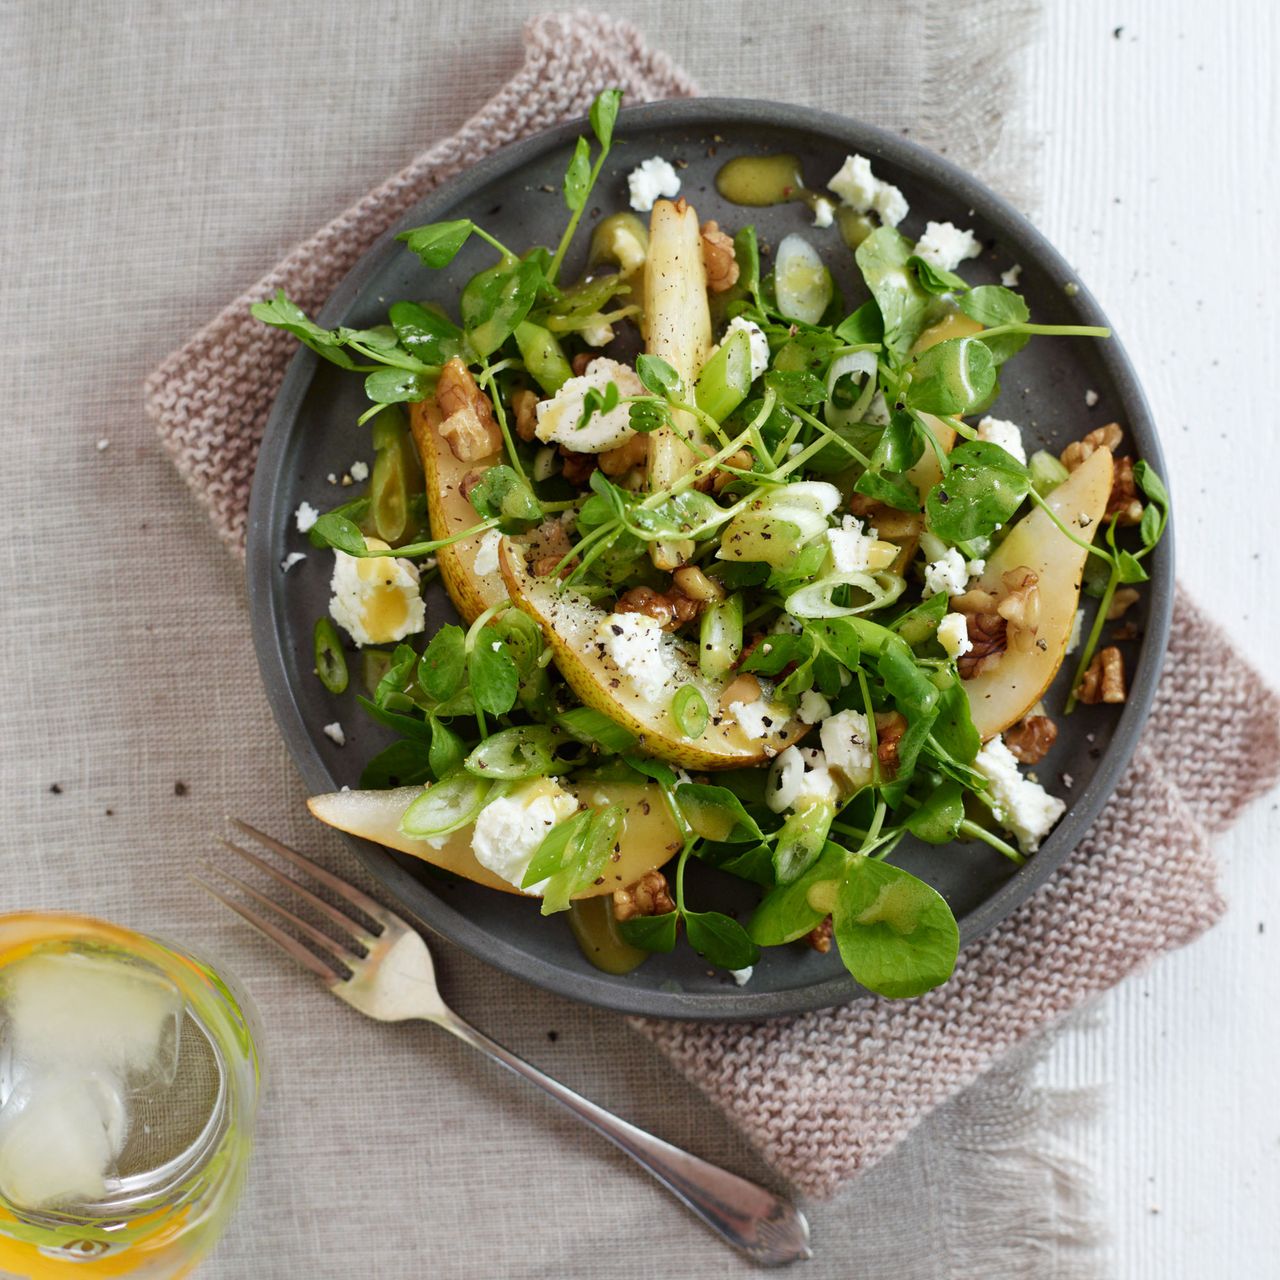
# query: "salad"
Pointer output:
{"type": "Point", "coordinates": [747, 572]}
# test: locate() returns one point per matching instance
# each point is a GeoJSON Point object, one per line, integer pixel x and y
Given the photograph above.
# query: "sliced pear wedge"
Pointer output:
{"type": "Point", "coordinates": [449, 512]}
{"type": "Point", "coordinates": [569, 623]}
{"type": "Point", "coordinates": [1004, 693]}
{"type": "Point", "coordinates": [648, 839]}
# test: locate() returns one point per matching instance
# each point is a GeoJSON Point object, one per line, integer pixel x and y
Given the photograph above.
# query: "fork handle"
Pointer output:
{"type": "Point", "coordinates": [768, 1229]}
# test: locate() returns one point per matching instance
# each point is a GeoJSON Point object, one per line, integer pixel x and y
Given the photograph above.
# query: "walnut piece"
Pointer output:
{"type": "Point", "coordinates": [717, 257]}
{"type": "Point", "coordinates": [1123, 600]}
{"type": "Point", "coordinates": [469, 426]}
{"type": "Point", "coordinates": [717, 480]}
{"type": "Point", "coordinates": [989, 636]}
{"type": "Point", "coordinates": [1104, 680]}
{"type": "Point", "coordinates": [1123, 505]}
{"type": "Point", "coordinates": [1030, 739]}
{"type": "Point", "coordinates": [672, 609]}
{"type": "Point", "coordinates": [649, 896]}
{"type": "Point", "coordinates": [819, 937]}
{"type": "Point", "coordinates": [1020, 607]}
{"type": "Point", "coordinates": [1077, 451]}
{"type": "Point", "coordinates": [577, 467]}
{"type": "Point", "coordinates": [525, 404]}
{"type": "Point", "coordinates": [626, 457]}
{"type": "Point", "coordinates": [579, 362]}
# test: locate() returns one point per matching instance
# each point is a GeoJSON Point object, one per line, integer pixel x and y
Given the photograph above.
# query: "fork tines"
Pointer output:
{"type": "Point", "coordinates": [329, 958]}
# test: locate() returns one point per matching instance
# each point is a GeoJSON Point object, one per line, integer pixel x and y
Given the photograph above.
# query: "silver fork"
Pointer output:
{"type": "Point", "coordinates": [394, 979]}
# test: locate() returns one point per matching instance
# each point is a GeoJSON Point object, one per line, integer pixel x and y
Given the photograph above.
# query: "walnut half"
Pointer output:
{"type": "Point", "coordinates": [469, 426]}
{"type": "Point", "coordinates": [718, 258]}
{"type": "Point", "coordinates": [1030, 739]}
{"type": "Point", "coordinates": [1104, 679]}
{"type": "Point", "coordinates": [649, 896]}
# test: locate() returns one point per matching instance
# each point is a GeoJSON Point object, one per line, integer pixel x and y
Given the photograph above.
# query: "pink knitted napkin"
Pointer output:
{"type": "Point", "coordinates": [827, 1094]}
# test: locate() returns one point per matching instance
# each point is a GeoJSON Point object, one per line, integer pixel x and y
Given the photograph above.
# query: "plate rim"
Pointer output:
{"type": "Point", "coordinates": [263, 592]}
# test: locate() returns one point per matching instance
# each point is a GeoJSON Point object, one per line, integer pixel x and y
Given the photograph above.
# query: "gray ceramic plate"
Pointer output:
{"type": "Point", "coordinates": [311, 433]}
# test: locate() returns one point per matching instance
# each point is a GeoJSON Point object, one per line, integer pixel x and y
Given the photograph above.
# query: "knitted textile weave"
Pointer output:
{"type": "Point", "coordinates": [826, 1094]}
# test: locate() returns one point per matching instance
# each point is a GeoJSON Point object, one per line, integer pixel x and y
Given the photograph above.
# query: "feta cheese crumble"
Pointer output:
{"type": "Point", "coordinates": [859, 188]}
{"type": "Point", "coordinates": [852, 549]}
{"type": "Point", "coordinates": [949, 574]}
{"type": "Point", "coordinates": [1021, 805]}
{"type": "Point", "coordinates": [742, 976]}
{"type": "Point", "coordinates": [1010, 278]}
{"type": "Point", "coordinates": [294, 557]}
{"type": "Point", "coordinates": [757, 719]}
{"type": "Point", "coordinates": [823, 212]}
{"type": "Point", "coordinates": [638, 647]}
{"type": "Point", "coordinates": [486, 560]}
{"type": "Point", "coordinates": [335, 733]}
{"type": "Point", "coordinates": [814, 708]}
{"type": "Point", "coordinates": [1091, 397]}
{"type": "Point", "coordinates": [509, 829]}
{"type": "Point", "coordinates": [946, 246]}
{"type": "Point", "coordinates": [653, 179]}
{"type": "Point", "coordinates": [597, 335]}
{"type": "Point", "coordinates": [846, 744]}
{"type": "Point", "coordinates": [799, 777]}
{"type": "Point", "coordinates": [376, 599]}
{"type": "Point", "coordinates": [1008, 435]}
{"type": "Point", "coordinates": [359, 471]}
{"type": "Point", "coordinates": [558, 417]}
{"type": "Point", "coordinates": [305, 517]}
{"type": "Point", "coordinates": [759, 343]}
{"type": "Point", "coordinates": [1077, 632]}
{"type": "Point", "coordinates": [953, 635]}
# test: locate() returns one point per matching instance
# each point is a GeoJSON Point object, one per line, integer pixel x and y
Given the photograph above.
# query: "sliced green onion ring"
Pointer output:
{"type": "Point", "coordinates": [453, 802]}
{"type": "Point", "coordinates": [817, 599]}
{"type": "Point", "coordinates": [331, 662]}
{"type": "Point", "coordinates": [524, 752]}
{"type": "Point", "coordinates": [850, 365]}
{"type": "Point", "coordinates": [690, 712]}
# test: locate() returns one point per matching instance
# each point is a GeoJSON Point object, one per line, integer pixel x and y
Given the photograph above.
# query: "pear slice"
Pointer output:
{"type": "Point", "coordinates": [1004, 693]}
{"type": "Point", "coordinates": [648, 839]}
{"type": "Point", "coordinates": [569, 623]}
{"type": "Point", "coordinates": [449, 512]}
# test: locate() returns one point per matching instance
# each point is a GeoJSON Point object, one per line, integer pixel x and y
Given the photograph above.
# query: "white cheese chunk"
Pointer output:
{"type": "Point", "coordinates": [1008, 435]}
{"type": "Point", "coordinates": [946, 246]}
{"type": "Point", "coordinates": [305, 517]}
{"type": "Point", "coordinates": [1021, 805]}
{"type": "Point", "coordinates": [640, 649]}
{"type": "Point", "coordinates": [859, 188]}
{"type": "Point", "coordinates": [294, 557]}
{"type": "Point", "coordinates": [1077, 632]}
{"type": "Point", "coordinates": [949, 574]}
{"type": "Point", "coordinates": [1010, 278]}
{"type": "Point", "coordinates": [376, 599]}
{"type": "Point", "coordinates": [486, 560]}
{"type": "Point", "coordinates": [597, 335]}
{"type": "Point", "coordinates": [558, 417]}
{"type": "Point", "coordinates": [335, 733]}
{"type": "Point", "coordinates": [953, 635]}
{"type": "Point", "coordinates": [823, 212]}
{"type": "Point", "coordinates": [651, 180]}
{"type": "Point", "coordinates": [846, 744]}
{"type": "Point", "coordinates": [509, 829]}
{"type": "Point", "coordinates": [814, 708]}
{"type": "Point", "coordinates": [758, 719]}
{"type": "Point", "coordinates": [799, 777]}
{"type": "Point", "coordinates": [359, 471]}
{"type": "Point", "coordinates": [1090, 398]}
{"type": "Point", "coordinates": [742, 976]}
{"type": "Point", "coordinates": [852, 549]}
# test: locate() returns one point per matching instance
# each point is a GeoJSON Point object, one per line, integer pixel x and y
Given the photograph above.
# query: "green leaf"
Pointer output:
{"type": "Point", "coordinates": [1130, 568]}
{"type": "Point", "coordinates": [935, 280]}
{"type": "Point", "coordinates": [984, 487]}
{"type": "Point", "coordinates": [754, 863]}
{"type": "Point", "coordinates": [883, 259]}
{"type": "Point", "coordinates": [604, 114]}
{"type": "Point", "coordinates": [658, 377]}
{"type": "Point", "coordinates": [446, 751]}
{"type": "Point", "coordinates": [938, 819]}
{"type": "Point", "coordinates": [494, 678]}
{"type": "Point", "coordinates": [335, 530]}
{"type": "Point", "coordinates": [899, 447]}
{"type": "Point", "coordinates": [1150, 483]}
{"type": "Point", "coordinates": [503, 496]}
{"type": "Point", "coordinates": [443, 662]}
{"type": "Point", "coordinates": [651, 933]}
{"type": "Point", "coordinates": [438, 243]}
{"type": "Point", "coordinates": [425, 333]}
{"type": "Point", "coordinates": [720, 939]}
{"type": "Point", "coordinates": [397, 675]}
{"type": "Point", "coordinates": [896, 934]}
{"type": "Point", "coordinates": [396, 386]}
{"type": "Point", "coordinates": [403, 764]}
{"type": "Point", "coordinates": [864, 326]}
{"type": "Point", "coordinates": [495, 301]}
{"type": "Point", "coordinates": [893, 490]}
{"type": "Point", "coordinates": [577, 178]}
{"type": "Point", "coordinates": [746, 252]}
{"type": "Point", "coordinates": [281, 313]}
{"type": "Point", "coordinates": [715, 813]}
{"type": "Point", "coordinates": [796, 387]}
{"type": "Point", "coordinates": [655, 769]}
{"type": "Point", "coordinates": [992, 304]}
{"type": "Point", "coordinates": [792, 910]}
{"type": "Point", "coordinates": [954, 729]}
{"type": "Point", "coordinates": [527, 751]}
{"type": "Point", "coordinates": [1151, 526]}
{"type": "Point", "coordinates": [952, 377]}
{"type": "Point", "coordinates": [777, 652]}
